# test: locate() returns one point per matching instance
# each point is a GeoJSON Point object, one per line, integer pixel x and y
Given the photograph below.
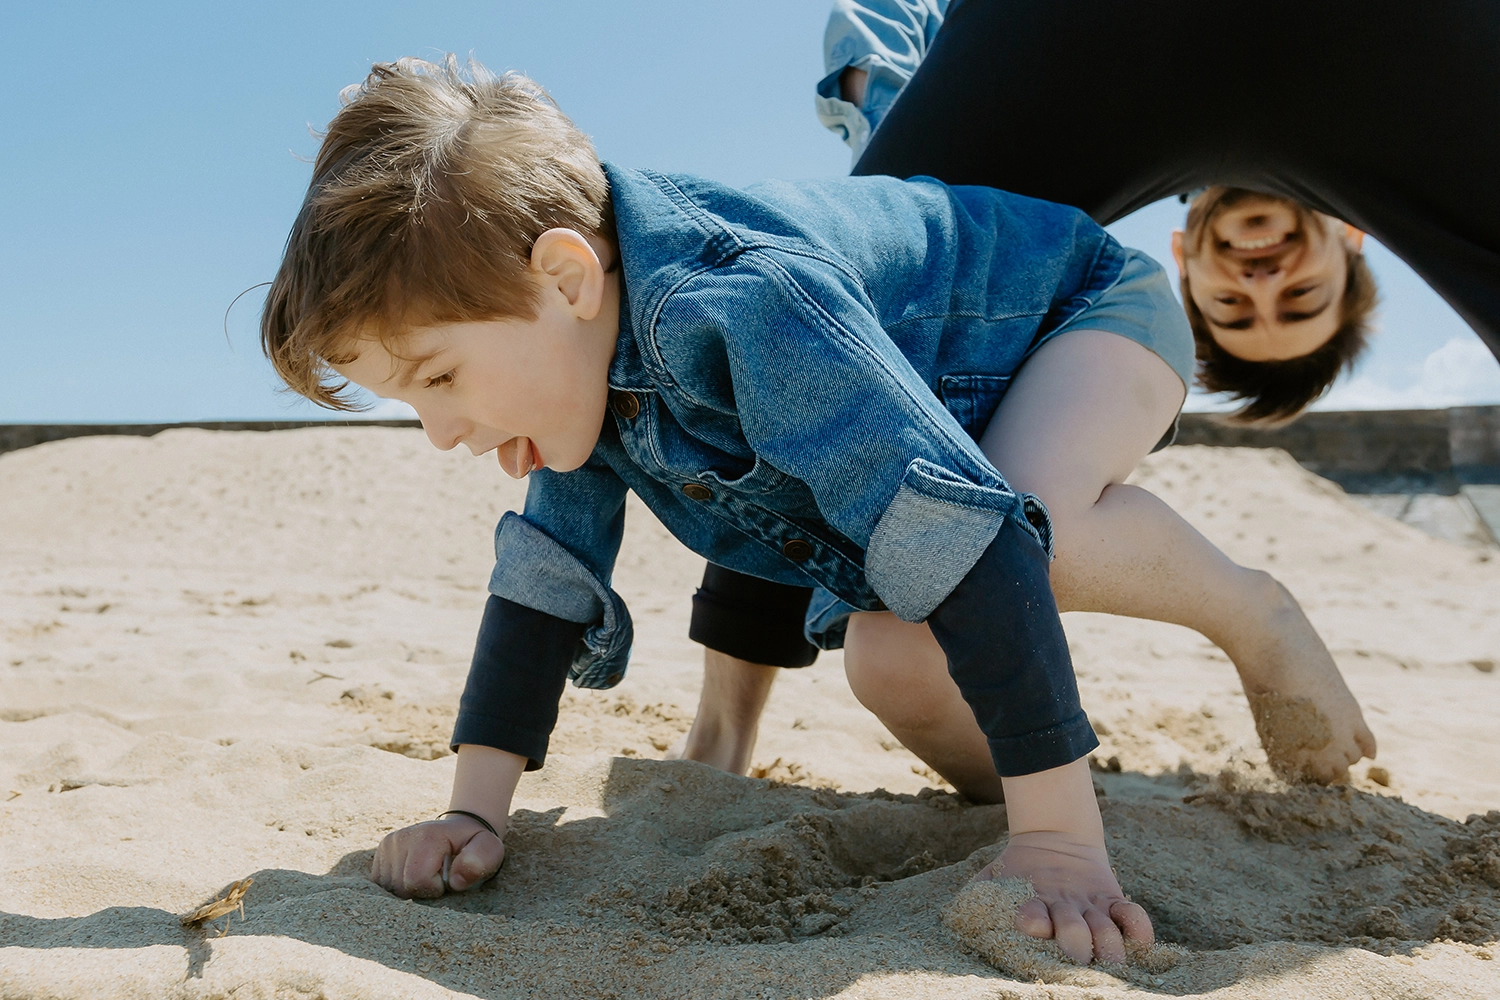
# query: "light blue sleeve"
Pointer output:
{"type": "Point", "coordinates": [886, 38]}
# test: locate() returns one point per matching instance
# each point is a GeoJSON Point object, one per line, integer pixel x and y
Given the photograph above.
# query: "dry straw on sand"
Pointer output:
{"type": "Point", "coordinates": [232, 901]}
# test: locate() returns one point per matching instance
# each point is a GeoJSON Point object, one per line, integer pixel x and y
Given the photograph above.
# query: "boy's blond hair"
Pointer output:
{"type": "Point", "coordinates": [430, 189]}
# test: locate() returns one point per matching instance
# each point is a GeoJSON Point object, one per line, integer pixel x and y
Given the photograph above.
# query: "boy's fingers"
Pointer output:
{"type": "Point", "coordinates": [1133, 921]}
{"type": "Point", "coordinates": [1109, 946]}
{"type": "Point", "coordinates": [422, 874]}
{"type": "Point", "coordinates": [1032, 919]}
{"type": "Point", "coordinates": [1072, 933]}
{"type": "Point", "coordinates": [386, 856]}
{"type": "Point", "coordinates": [479, 859]}
{"type": "Point", "coordinates": [1366, 741]}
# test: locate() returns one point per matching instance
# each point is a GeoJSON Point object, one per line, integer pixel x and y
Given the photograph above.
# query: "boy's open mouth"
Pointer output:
{"type": "Point", "coordinates": [519, 457]}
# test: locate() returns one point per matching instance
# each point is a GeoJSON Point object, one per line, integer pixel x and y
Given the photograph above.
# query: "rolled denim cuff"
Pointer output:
{"type": "Point", "coordinates": [840, 116]}
{"type": "Point", "coordinates": [933, 532]}
{"type": "Point", "coordinates": [827, 620]}
{"type": "Point", "coordinates": [1044, 749]}
{"type": "Point", "coordinates": [535, 570]}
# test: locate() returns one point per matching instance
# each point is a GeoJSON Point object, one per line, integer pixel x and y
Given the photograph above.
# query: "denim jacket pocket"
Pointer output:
{"type": "Point", "coordinates": [972, 399]}
{"type": "Point", "coordinates": [763, 478]}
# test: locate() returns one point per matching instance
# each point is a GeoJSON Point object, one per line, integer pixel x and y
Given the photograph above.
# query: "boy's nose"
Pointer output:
{"type": "Point", "coordinates": [445, 433]}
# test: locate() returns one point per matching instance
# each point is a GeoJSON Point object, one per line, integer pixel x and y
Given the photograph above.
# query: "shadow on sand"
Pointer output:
{"type": "Point", "coordinates": [683, 881]}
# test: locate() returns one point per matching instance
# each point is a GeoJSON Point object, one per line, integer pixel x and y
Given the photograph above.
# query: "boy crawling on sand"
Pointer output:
{"type": "Point", "coordinates": [804, 383]}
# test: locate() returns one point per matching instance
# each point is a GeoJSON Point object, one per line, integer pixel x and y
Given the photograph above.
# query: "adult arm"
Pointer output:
{"type": "Point", "coordinates": [873, 46]}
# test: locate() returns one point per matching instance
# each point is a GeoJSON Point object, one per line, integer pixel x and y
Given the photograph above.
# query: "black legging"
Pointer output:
{"type": "Point", "coordinates": [1384, 113]}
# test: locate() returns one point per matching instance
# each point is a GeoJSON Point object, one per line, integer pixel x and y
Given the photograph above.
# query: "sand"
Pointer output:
{"type": "Point", "coordinates": [237, 655]}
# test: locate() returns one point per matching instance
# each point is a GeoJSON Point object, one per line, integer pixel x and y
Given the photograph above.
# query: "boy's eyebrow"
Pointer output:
{"type": "Point", "coordinates": [408, 368]}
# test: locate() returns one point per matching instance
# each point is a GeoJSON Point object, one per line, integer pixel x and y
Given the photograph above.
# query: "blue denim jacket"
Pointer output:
{"type": "Point", "coordinates": [887, 39]}
{"type": "Point", "coordinates": [801, 373]}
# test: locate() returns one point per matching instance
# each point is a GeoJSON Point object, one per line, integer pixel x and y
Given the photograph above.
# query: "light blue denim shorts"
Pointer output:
{"type": "Point", "coordinates": [1141, 306]}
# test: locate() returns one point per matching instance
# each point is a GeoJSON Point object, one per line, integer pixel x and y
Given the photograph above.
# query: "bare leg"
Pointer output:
{"type": "Point", "coordinates": [728, 720]}
{"type": "Point", "coordinates": [898, 671]}
{"type": "Point", "coordinates": [1082, 413]}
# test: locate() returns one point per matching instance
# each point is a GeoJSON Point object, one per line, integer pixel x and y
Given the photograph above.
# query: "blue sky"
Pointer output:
{"type": "Point", "coordinates": [156, 154]}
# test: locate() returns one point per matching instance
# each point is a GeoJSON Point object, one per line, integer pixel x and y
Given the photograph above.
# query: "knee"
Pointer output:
{"type": "Point", "coordinates": [891, 666]}
{"type": "Point", "coordinates": [1263, 592]}
{"type": "Point", "coordinates": [1075, 535]}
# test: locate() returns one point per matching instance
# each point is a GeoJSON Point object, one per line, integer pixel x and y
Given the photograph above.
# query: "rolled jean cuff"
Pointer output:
{"type": "Point", "coordinates": [501, 734]}
{"type": "Point", "coordinates": [752, 619]}
{"type": "Point", "coordinates": [536, 571]}
{"type": "Point", "coordinates": [1044, 749]}
{"type": "Point", "coordinates": [935, 510]}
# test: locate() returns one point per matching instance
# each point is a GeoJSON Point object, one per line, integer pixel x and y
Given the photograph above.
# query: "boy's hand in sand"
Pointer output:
{"type": "Point", "coordinates": [1057, 844]}
{"type": "Point", "coordinates": [410, 863]}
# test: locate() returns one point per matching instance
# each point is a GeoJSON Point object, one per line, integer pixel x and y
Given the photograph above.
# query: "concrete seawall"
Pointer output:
{"type": "Point", "coordinates": [1379, 451]}
{"type": "Point", "coordinates": [14, 437]}
{"type": "Point", "coordinates": [1362, 450]}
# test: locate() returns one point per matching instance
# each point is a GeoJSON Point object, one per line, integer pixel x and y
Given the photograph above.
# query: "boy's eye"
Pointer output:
{"type": "Point", "coordinates": [437, 380]}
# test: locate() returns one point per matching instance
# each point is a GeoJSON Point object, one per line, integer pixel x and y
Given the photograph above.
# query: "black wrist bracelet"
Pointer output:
{"type": "Point", "coordinates": [474, 816]}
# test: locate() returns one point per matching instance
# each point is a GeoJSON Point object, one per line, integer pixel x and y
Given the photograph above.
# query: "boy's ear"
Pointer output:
{"type": "Point", "coordinates": [1354, 238]}
{"type": "Point", "coordinates": [1178, 254]}
{"type": "Point", "coordinates": [565, 261]}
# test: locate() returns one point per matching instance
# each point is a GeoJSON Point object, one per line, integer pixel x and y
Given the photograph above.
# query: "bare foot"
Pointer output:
{"type": "Point", "coordinates": [728, 719]}
{"type": "Point", "coordinates": [1078, 901]}
{"type": "Point", "coordinates": [1309, 722]}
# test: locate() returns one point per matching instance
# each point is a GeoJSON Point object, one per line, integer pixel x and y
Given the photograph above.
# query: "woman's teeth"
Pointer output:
{"type": "Point", "coordinates": [1260, 244]}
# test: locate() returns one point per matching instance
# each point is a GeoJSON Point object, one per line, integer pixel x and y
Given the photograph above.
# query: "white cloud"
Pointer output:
{"type": "Point", "coordinates": [1462, 372]}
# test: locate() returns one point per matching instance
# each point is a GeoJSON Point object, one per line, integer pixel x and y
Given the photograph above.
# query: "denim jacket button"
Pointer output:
{"type": "Point", "coordinates": [797, 550]}
{"type": "Point", "coordinates": [625, 404]}
{"type": "Point", "coordinates": [696, 491]}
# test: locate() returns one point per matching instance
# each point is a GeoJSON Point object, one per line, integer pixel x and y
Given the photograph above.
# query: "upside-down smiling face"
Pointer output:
{"type": "Point", "coordinates": [1267, 274]}
{"type": "Point", "coordinates": [533, 391]}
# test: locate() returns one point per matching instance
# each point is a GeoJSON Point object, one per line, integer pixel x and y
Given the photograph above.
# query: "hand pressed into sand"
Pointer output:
{"type": "Point", "coordinates": [411, 862]}
{"type": "Point", "coordinates": [1057, 844]}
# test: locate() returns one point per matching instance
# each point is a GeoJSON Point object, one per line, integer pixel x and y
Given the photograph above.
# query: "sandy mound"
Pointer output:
{"type": "Point", "coordinates": [232, 655]}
